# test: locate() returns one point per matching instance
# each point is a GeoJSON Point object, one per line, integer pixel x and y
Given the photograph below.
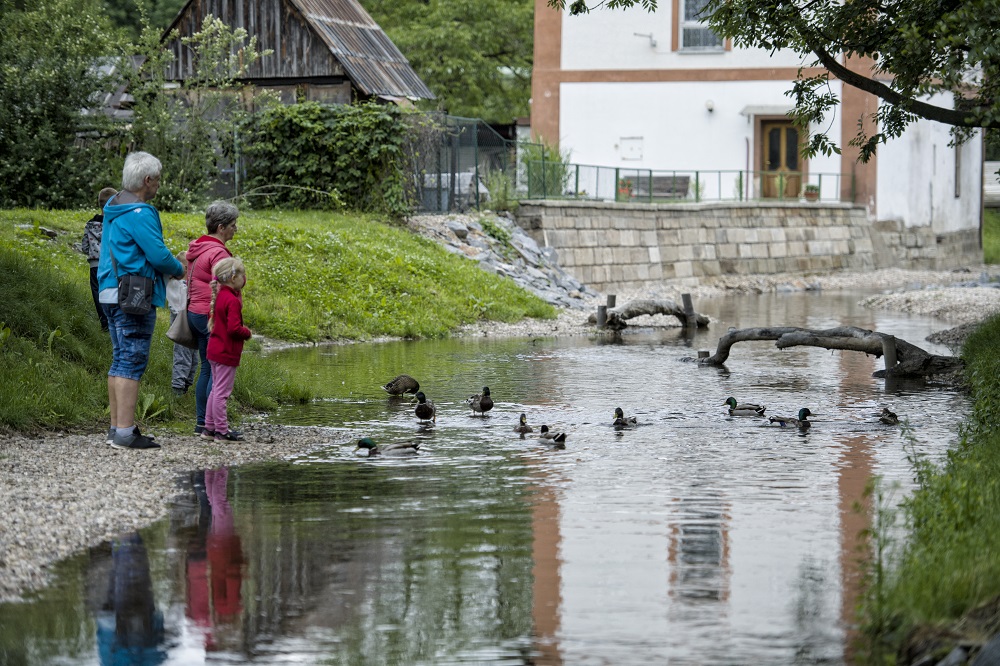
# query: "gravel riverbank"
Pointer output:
{"type": "Point", "coordinates": [64, 492]}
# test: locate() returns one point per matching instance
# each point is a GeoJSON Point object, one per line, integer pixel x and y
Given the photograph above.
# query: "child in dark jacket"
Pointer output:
{"type": "Point", "coordinates": [91, 246]}
{"type": "Point", "coordinates": [225, 345]}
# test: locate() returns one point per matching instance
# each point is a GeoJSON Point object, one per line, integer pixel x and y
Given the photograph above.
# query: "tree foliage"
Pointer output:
{"type": "Point", "coordinates": [191, 129]}
{"type": "Point", "coordinates": [48, 76]}
{"type": "Point", "coordinates": [128, 15]}
{"type": "Point", "coordinates": [475, 55]}
{"type": "Point", "coordinates": [917, 48]}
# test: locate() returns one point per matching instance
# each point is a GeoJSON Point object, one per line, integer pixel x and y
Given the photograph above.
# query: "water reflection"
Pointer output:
{"type": "Point", "coordinates": [694, 538]}
{"type": "Point", "coordinates": [129, 626]}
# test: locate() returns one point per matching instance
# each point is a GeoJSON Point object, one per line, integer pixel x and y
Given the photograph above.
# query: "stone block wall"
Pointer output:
{"type": "Point", "coordinates": [621, 246]}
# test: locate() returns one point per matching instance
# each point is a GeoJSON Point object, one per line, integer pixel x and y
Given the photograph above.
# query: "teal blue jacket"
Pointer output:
{"type": "Point", "coordinates": [134, 233]}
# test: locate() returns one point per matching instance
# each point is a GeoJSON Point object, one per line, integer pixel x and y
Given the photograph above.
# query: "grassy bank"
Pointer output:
{"type": "Point", "coordinates": [311, 277]}
{"type": "Point", "coordinates": [991, 236]}
{"type": "Point", "coordinates": [949, 563]}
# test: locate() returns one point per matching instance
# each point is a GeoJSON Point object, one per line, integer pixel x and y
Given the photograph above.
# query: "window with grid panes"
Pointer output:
{"type": "Point", "coordinates": [695, 33]}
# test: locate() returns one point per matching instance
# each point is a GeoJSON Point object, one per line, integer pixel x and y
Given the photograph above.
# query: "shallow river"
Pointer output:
{"type": "Point", "coordinates": [693, 538]}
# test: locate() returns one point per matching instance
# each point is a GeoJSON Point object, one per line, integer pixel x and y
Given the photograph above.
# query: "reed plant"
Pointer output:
{"type": "Point", "coordinates": [946, 564]}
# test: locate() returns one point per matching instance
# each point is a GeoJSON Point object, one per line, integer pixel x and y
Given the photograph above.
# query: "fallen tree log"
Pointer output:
{"type": "Point", "coordinates": [617, 316]}
{"type": "Point", "coordinates": [913, 361]}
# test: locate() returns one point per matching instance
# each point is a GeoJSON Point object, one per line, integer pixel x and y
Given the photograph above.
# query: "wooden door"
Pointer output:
{"type": "Point", "coordinates": [782, 176]}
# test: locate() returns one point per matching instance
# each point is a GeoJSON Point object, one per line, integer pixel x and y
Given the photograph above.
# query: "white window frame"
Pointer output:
{"type": "Point", "coordinates": [692, 23]}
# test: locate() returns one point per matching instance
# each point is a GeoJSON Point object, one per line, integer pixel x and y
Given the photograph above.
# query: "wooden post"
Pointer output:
{"type": "Point", "coordinates": [611, 301]}
{"type": "Point", "coordinates": [691, 320]}
{"type": "Point", "coordinates": [889, 352]}
{"type": "Point", "coordinates": [602, 316]}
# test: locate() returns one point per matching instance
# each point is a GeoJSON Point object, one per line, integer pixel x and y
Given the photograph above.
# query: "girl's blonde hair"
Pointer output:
{"type": "Point", "coordinates": [225, 272]}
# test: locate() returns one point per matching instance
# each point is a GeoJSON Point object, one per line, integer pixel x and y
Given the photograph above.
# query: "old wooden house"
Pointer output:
{"type": "Point", "coordinates": [328, 51]}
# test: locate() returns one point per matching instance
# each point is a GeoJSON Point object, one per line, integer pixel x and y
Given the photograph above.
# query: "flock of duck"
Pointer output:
{"type": "Point", "coordinates": [802, 421]}
{"type": "Point", "coordinates": [480, 403]}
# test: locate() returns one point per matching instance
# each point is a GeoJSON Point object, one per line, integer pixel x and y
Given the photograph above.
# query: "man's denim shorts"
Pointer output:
{"type": "Point", "coordinates": [131, 336]}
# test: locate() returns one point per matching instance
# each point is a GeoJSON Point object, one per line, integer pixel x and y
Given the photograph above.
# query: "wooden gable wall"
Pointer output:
{"type": "Point", "coordinates": [299, 54]}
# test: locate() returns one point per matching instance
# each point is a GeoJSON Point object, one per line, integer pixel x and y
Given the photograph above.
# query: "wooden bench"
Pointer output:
{"type": "Point", "coordinates": [664, 187]}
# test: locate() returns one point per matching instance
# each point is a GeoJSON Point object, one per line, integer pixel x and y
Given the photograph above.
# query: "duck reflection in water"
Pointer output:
{"type": "Point", "coordinates": [129, 626]}
{"type": "Point", "coordinates": [215, 561]}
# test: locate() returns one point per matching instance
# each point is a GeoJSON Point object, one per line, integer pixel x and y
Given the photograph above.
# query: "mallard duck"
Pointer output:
{"type": "Point", "coordinates": [396, 449]}
{"type": "Point", "coordinates": [402, 384]}
{"type": "Point", "coordinates": [549, 437]}
{"type": "Point", "coordinates": [425, 408]}
{"type": "Point", "coordinates": [622, 421]}
{"type": "Point", "coordinates": [888, 417]}
{"type": "Point", "coordinates": [800, 422]}
{"type": "Point", "coordinates": [481, 402]}
{"type": "Point", "coordinates": [744, 408]}
{"type": "Point", "coordinates": [522, 425]}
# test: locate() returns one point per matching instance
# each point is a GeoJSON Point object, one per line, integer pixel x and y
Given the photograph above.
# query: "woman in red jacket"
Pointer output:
{"type": "Point", "coordinates": [225, 345]}
{"type": "Point", "coordinates": [204, 253]}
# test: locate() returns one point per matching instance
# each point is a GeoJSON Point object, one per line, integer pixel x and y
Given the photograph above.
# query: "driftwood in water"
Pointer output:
{"type": "Point", "coordinates": [616, 317]}
{"type": "Point", "coordinates": [913, 361]}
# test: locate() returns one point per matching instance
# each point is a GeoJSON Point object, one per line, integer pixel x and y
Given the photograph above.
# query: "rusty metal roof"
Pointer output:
{"type": "Point", "coordinates": [372, 61]}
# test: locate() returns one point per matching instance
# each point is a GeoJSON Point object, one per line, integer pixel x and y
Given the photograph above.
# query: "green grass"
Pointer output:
{"type": "Point", "coordinates": [949, 563]}
{"type": "Point", "coordinates": [991, 236]}
{"type": "Point", "coordinates": [312, 277]}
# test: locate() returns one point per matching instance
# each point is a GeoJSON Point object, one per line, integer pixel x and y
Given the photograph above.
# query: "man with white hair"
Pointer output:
{"type": "Point", "coordinates": [132, 244]}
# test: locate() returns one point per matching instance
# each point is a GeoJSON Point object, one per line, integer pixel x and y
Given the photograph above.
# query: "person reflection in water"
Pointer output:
{"type": "Point", "coordinates": [130, 628]}
{"type": "Point", "coordinates": [214, 583]}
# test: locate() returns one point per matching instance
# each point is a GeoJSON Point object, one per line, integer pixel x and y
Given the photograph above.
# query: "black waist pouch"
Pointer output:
{"type": "Point", "coordinates": [135, 294]}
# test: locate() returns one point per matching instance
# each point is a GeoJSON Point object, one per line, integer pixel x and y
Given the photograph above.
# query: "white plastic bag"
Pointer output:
{"type": "Point", "coordinates": [176, 295]}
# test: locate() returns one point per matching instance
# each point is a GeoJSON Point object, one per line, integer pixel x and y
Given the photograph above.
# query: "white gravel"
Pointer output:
{"type": "Point", "coordinates": [61, 493]}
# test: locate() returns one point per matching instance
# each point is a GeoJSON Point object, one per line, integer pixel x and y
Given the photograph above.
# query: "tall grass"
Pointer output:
{"type": "Point", "coordinates": [991, 236]}
{"type": "Point", "coordinates": [949, 562]}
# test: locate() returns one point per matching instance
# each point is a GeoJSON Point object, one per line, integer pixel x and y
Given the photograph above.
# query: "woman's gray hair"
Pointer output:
{"type": "Point", "coordinates": [138, 165]}
{"type": "Point", "coordinates": [219, 214]}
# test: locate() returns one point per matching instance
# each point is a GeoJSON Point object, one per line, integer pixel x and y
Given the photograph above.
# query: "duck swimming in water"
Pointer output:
{"type": "Point", "coordinates": [888, 417]}
{"type": "Point", "coordinates": [786, 421]}
{"type": "Point", "coordinates": [744, 408]}
{"type": "Point", "coordinates": [396, 449]}
{"type": "Point", "coordinates": [622, 421]}
{"type": "Point", "coordinates": [522, 426]}
{"type": "Point", "coordinates": [554, 438]}
{"type": "Point", "coordinates": [425, 408]}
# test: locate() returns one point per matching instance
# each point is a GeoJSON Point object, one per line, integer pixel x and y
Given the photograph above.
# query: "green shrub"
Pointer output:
{"type": "Point", "coordinates": [547, 169]}
{"type": "Point", "coordinates": [991, 236]}
{"type": "Point", "coordinates": [322, 156]}
{"type": "Point", "coordinates": [503, 195]}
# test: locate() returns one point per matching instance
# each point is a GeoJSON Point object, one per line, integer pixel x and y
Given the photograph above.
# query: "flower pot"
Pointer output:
{"type": "Point", "coordinates": [811, 195]}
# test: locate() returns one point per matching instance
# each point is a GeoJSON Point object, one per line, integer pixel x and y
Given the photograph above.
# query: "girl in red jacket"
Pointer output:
{"type": "Point", "coordinates": [225, 345]}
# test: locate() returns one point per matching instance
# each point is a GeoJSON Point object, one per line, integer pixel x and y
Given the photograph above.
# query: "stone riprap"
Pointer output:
{"type": "Point", "coordinates": [519, 258]}
{"type": "Point", "coordinates": [615, 247]}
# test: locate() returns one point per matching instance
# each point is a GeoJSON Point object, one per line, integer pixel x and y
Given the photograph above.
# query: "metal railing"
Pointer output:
{"type": "Point", "coordinates": [562, 180]}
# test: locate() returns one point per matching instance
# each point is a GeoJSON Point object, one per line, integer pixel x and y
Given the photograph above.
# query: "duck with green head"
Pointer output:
{"type": "Point", "coordinates": [401, 384]}
{"type": "Point", "coordinates": [788, 421]}
{"type": "Point", "coordinates": [622, 421]}
{"type": "Point", "coordinates": [425, 408]}
{"type": "Point", "coordinates": [522, 426]}
{"type": "Point", "coordinates": [395, 449]}
{"type": "Point", "coordinates": [744, 408]}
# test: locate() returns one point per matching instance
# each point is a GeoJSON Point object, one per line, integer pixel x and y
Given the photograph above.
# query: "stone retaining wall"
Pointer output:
{"type": "Point", "coordinates": [621, 246]}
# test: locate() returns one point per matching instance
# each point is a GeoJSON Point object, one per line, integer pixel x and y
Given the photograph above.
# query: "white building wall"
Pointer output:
{"type": "Point", "coordinates": [676, 128]}
{"type": "Point", "coordinates": [916, 177]}
{"type": "Point", "coordinates": [607, 39]}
